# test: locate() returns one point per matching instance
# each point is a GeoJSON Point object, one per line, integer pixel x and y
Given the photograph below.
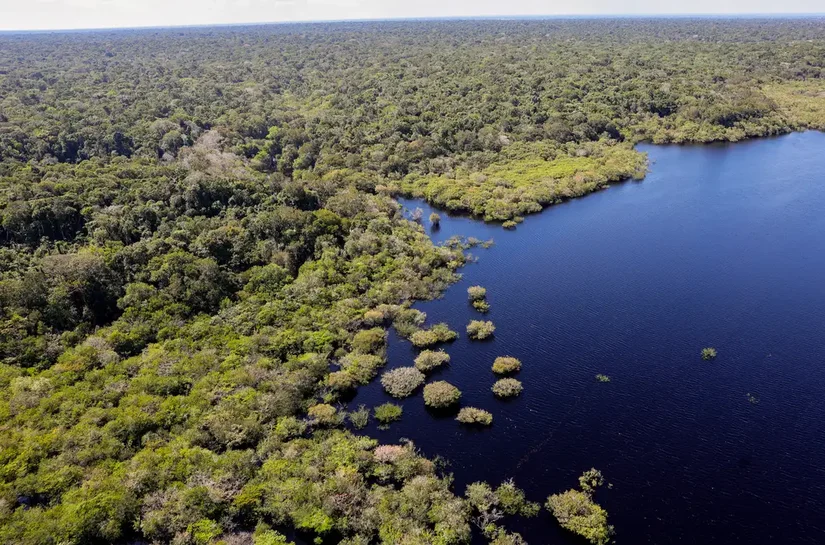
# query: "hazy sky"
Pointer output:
{"type": "Point", "coordinates": [53, 14]}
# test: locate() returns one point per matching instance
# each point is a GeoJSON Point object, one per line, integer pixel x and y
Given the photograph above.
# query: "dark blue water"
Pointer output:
{"type": "Point", "coordinates": [719, 246]}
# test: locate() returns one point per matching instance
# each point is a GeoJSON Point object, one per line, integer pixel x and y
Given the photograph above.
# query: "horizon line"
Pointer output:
{"type": "Point", "coordinates": [755, 15]}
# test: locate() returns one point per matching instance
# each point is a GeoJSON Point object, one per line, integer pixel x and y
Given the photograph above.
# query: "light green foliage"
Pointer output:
{"type": "Point", "coordinates": [472, 415]}
{"type": "Point", "coordinates": [439, 333]}
{"type": "Point", "coordinates": [428, 360]}
{"type": "Point", "coordinates": [476, 293]}
{"type": "Point", "coordinates": [441, 394]}
{"type": "Point", "coordinates": [507, 387]}
{"type": "Point", "coordinates": [388, 412]}
{"type": "Point", "coordinates": [506, 364]}
{"type": "Point", "coordinates": [481, 306]}
{"type": "Point", "coordinates": [479, 330]}
{"type": "Point", "coordinates": [325, 415]}
{"type": "Point", "coordinates": [708, 353]}
{"type": "Point", "coordinates": [602, 378]}
{"type": "Point", "coordinates": [576, 511]}
{"type": "Point", "coordinates": [360, 417]}
{"type": "Point", "coordinates": [402, 382]}
{"type": "Point", "coordinates": [490, 506]}
{"type": "Point", "coordinates": [369, 341]}
{"type": "Point", "coordinates": [435, 219]}
{"type": "Point", "coordinates": [264, 535]}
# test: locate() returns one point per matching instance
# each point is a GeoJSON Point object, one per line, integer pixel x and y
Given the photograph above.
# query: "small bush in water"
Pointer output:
{"type": "Point", "coordinates": [506, 364]}
{"type": "Point", "coordinates": [708, 353]}
{"type": "Point", "coordinates": [441, 394]}
{"type": "Point", "coordinates": [439, 333]}
{"type": "Point", "coordinates": [476, 293]}
{"type": "Point", "coordinates": [478, 330]}
{"type": "Point", "coordinates": [472, 415]}
{"type": "Point", "coordinates": [431, 359]}
{"type": "Point", "coordinates": [507, 387]}
{"type": "Point", "coordinates": [360, 417]}
{"type": "Point", "coordinates": [402, 382]}
{"type": "Point", "coordinates": [388, 412]}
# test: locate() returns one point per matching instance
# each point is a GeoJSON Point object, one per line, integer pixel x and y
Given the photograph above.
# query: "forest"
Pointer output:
{"type": "Point", "coordinates": [201, 254]}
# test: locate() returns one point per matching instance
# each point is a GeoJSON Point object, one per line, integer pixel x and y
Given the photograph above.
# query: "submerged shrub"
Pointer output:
{"type": "Point", "coordinates": [602, 378]}
{"type": "Point", "coordinates": [577, 512]}
{"type": "Point", "coordinates": [477, 293]}
{"type": "Point", "coordinates": [441, 394]}
{"type": "Point", "coordinates": [507, 387]}
{"type": "Point", "coordinates": [509, 224]}
{"type": "Point", "coordinates": [472, 415]}
{"type": "Point", "coordinates": [360, 417]}
{"type": "Point", "coordinates": [439, 333]}
{"type": "Point", "coordinates": [478, 330]}
{"type": "Point", "coordinates": [435, 219]}
{"type": "Point", "coordinates": [481, 306]}
{"type": "Point", "coordinates": [402, 382]}
{"type": "Point", "coordinates": [431, 359]}
{"type": "Point", "coordinates": [506, 364]}
{"type": "Point", "coordinates": [590, 480]}
{"type": "Point", "coordinates": [708, 353]}
{"type": "Point", "coordinates": [388, 412]}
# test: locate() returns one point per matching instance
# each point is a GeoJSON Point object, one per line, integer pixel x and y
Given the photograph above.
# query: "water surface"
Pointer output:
{"type": "Point", "coordinates": [720, 245]}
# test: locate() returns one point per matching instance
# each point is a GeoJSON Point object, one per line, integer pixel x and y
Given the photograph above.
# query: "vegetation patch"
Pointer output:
{"type": "Point", "coordinates": [441, 394]}
{"type": "Point", "coordinates": [709, 353]}
{"type": "Point", "coordinates": [472, 415]}
{"type": "Point", "coordinates": [507, 387]}
{"type": "Point", "coordinates": [576, 511]}
{"type": "Point", "coordinates": [387, 413]}
{"type": "Point", "coordinates": [439, 333]}
{"type": "Point", "coordinates": [602, 378]}
{"type": "Point", "coordinates": [360, 417]}
{"type": "Point", "coordinates": [479, 330]}
{"type": "Point", "coordinates": [428, 360]}
{"type": "Point", "coordinates": [402, 382]}
{"type": "Point", "coordinates": [506, 364]}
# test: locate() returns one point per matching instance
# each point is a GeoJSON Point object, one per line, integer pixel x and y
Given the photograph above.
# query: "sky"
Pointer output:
{"type": "Point", "coordinates": [72, 14]}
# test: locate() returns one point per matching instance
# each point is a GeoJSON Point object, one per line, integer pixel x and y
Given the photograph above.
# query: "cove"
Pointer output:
{"type": "Point", "coordinates": [720, 245]}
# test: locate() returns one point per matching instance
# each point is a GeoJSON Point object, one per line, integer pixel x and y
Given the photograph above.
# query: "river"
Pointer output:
{"type": "Point", "coordinates": [720, 245]}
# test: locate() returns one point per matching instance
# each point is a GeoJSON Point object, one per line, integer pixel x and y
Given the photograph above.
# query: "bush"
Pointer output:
{"type": "Point", "coordinates": [360, 417]}
{"type": "Point", "coordinates": [435, 219]}
{"type": "Point", "coordinates": [324, 415]}
{"type": "Point", "coordinates": [472, 415]}
{"type": "Point", "coordinates": [509, 224]}
{"type": "Point", "coordinates": [477, 293]}
{"type": "Point", "coordinates": [481, 306]}
{"type": "Point", "coordinates": [439, 333]}
{"type": "Point", "coordinates": [507, 387]}
{"type": "Point", "coordinates": [402, 382]}
{"type": "Point", "coordinates": [388, 412]}
{"type": "Point", "coordinates": [369, 341]}
{"type": "Point", "coordinates": [441, 394]}
{"type": "Point", "coordinates": [577, 512]}
{"type": "Point", "coordinates": [431, 359]}
{"type": "Point", "coordinates": [341, 381]}
{"type": "Point", "coordinates": [478, 330]}
{"type": "Point", "coordinates": [708, 353]}
{"type": "Point", "coordinates": [602, 378]}
{"type": "Point", "coordinates": [506, 364]}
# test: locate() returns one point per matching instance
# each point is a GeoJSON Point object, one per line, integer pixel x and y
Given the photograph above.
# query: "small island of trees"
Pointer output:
{"type": "Point", "coordinates": [507, 387]}
{"type": "Point", "coordinates": [402, 382]}
{"type": "Point", "coordinates": [479, 330]}
{"type": "Point", "coordinates": [473, 415]}
{"type": "Point", "coordinates": [441, 394]}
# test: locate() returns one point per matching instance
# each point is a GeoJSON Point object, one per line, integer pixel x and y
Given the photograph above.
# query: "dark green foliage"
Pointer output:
{"type": "Point", "coordinates": [199, 252]}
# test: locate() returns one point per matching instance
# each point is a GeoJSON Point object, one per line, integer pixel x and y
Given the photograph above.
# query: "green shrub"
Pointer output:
{"type": "Point", "coordinates": [708, 353]}
{"type": "Point", "coordinates": [509, 224]}
{"type": "Point", "coordinates": [439, 333]}
{"type": "Point", "coordinates": [431, 359]}
{"type": "Point", "coordinates": [360, 417]}
{"type": "Point", "coordinates": [577, 512]}
{"type": "Point", "coordinates": [507, 387]}
{"type": "Point", "coordinates": [590, 480]}
{"type": "Point", "coordinates": [602, 378]}
{"type": "Point", "coordinates": [506, 364]}
{"type": "Point", "coordinates": [402, 382]}
{"type": "Point", "coordinates": [435, 219]}
{"type": "Point", "coordinates": [441, 394]}
{"type": "Point", "coordinates": [481, 306]}
{"type": "Point", "coordinates": [324, 415]}
{"type": "Point", "coordinates": [478, 330]}
{"type": "Point", "coordinates": [388, 412]}
{"type": "Point", "coordinates": [477, 293]}
{"type": "Point", "coordinates": [341, 381]}
{"type": "Point", "coordinates": [369, 341]}
{"type": "Point", "coordinates": [472, 415]}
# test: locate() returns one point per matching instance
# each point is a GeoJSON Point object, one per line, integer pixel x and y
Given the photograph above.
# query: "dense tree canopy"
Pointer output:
{"type": "Point", "coordinates": [200, 253]}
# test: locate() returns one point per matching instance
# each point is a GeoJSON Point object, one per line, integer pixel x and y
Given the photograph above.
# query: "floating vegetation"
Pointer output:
{"type": "Point", "coordinates": [708, 353]}
{"type": "Point", "coordinates": [602, 378]}
{"type": "Point", "coordinates": [752, 399]}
